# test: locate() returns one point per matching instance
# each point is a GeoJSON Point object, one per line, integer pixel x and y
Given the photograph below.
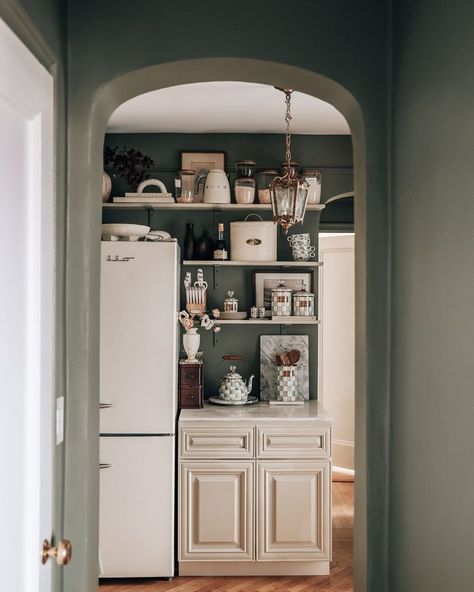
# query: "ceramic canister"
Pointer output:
{"type": "Point", "coordinates": [281, 301]}
{"type": "Point", "coordinates": [286, 383]}
{"type": "Point", "coordinates": [303, 303]}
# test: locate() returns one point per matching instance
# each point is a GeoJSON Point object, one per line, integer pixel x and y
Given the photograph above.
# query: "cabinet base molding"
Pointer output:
{"type": "Point", "coordinates": [253, 568]}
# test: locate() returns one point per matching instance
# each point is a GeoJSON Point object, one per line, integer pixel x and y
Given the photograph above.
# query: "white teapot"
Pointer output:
{"type": "Point", "coordinates": [233, 388]}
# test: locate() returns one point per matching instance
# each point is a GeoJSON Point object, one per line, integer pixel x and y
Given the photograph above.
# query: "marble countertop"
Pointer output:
{"type": "Point", "coordinates": [311, 410]}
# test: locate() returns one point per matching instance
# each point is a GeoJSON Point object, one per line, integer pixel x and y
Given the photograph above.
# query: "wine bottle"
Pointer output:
{"type": "Point", "coordinates": [189, 242]}
{"type": "Point", "coordinates": [221, 252]}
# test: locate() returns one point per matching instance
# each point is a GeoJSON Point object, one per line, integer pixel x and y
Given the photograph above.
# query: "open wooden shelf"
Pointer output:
{"type": "Point", "coordinates": [303, 321]}
{"type": "Point", "coordinates": [201, 206]}
{"type": "Point", "coordinates": [213, 263]}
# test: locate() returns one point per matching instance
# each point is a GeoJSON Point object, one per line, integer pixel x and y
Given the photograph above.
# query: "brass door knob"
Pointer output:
{"type": "Point", "coordinates": [62, 553]}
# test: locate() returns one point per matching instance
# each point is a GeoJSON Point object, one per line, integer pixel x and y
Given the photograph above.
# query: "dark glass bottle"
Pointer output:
{"type": "Point", "coordinates": [221, 252]}
{"type": "Point", "coordinates": [189, 243]}
{"type": "Point", "coordinates": [204, 247]}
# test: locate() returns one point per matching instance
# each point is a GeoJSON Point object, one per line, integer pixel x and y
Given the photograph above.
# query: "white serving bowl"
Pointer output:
{"type": "Point", "coordinates": [124, 232]}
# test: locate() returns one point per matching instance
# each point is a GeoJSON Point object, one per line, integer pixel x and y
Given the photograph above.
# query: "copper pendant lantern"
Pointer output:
{"type": "Point", "coordinates": [289, 192]}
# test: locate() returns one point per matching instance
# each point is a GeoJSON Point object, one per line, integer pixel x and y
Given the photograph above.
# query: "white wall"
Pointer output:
{"type": "Point", "coordinates": [336, 341]}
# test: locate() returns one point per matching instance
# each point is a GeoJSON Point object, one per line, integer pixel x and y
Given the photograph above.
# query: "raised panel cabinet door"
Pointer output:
{"type": "Point", "coordinates": [217, 510]}
{"type": "Point", "coordinates": [294, 511]}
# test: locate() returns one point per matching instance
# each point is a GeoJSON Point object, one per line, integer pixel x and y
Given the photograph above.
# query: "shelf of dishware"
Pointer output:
{"type": "Point", "coordinates": [215, 263]}
{"type": "Point", "coordinates": [200, 206]}
{"type": "Point", "coordinates": [302, 321]}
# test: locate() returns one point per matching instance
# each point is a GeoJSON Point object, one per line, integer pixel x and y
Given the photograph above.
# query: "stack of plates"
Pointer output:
{"type": "Point", "coordinates": [233, 316]}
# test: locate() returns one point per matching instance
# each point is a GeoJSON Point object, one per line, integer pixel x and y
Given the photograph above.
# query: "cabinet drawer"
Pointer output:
{"type": "Point", "coordinates": [216, 442]}
{"type": "Point", "coordinates": [190, 397]}
{"type": "Point", "coordinates": [190, 375]}
{"type": "Point", "coordinates": [290, 441]}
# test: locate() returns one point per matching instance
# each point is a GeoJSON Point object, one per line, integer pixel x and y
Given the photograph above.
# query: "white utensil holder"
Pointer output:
{"type": "Point", "coordinates": [196, 299]}
{"type": "Point", "coordinates": [286, 383]}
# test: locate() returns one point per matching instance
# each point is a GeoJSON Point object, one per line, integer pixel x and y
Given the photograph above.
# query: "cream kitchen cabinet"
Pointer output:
{"type": "Point", "coordinates": [293, 519]}
{"type": "Point", "coordinates": [255, 491]}
{"type": "Point", "coordinates": [217, 510]}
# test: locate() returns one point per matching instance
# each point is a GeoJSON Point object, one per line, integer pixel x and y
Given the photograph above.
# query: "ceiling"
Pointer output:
{"type": "Point", "coordinates": [224, 107]}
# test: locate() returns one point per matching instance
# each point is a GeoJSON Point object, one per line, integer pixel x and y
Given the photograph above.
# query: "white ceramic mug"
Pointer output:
{"type": "Point", "coordinates": [217, 189]}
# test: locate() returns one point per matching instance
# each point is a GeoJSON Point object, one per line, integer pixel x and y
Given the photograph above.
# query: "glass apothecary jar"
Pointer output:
{"type": "Point", "coordinates": [245, 168]}
{"type": "Point", "coordinates": [231, 304]}
{"type": "Point", "coordinates": [313, 178]}
{"type": "Point", "coordinates": [244, 189]}
{"type": "Point", "coordinates": [264, 181]}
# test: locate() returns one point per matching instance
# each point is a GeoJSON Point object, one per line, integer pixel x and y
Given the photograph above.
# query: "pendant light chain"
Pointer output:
{"type": "Point", "coordinates": [288, 119]}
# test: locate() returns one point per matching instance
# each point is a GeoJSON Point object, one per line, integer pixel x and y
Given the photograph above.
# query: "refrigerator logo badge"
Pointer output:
{"type": "Point", "coordinates": [118, 259]}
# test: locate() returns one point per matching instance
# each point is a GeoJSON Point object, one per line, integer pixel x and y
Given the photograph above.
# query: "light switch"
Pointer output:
{"type": "Point", "coordinates": [59, 420]}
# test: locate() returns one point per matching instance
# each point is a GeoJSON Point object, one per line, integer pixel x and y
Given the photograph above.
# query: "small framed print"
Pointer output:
{"type": "Point", "coordinates": [265, 282]}
{"type": "Point", "coordinates": [202, 162]}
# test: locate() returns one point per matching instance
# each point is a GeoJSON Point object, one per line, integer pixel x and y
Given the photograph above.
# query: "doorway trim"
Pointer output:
{"type": "Point", "coordinates": [88, 120]}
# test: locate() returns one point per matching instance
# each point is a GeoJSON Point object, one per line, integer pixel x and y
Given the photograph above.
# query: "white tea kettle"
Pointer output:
{"type": "Point", "coordinates": [217, 187]}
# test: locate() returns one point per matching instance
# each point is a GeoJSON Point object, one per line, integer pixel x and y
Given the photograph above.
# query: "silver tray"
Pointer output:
{"type": "Point", "coordinates": [251, 400]}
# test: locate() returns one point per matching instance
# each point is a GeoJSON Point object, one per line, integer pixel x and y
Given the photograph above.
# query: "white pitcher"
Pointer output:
{"type": "Point", "coordinates": [217, 187]}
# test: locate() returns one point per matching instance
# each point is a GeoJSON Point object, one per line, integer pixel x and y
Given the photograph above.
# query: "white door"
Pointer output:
{"type": "Point", "coordinates": [26, 315]}
{"type": "Point", "coordinates": [337, 341]}
{"type": "Point", "coordinates": [136, 506]}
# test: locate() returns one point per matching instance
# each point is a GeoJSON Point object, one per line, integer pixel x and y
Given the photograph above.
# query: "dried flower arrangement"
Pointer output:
{"type": "Point", "coordinates": [189, 320]}
{"type": "Point", "coordinates": [128, 163]}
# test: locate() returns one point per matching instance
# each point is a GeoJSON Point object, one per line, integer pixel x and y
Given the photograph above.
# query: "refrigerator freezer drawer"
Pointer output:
{"type": "Point", "coordinates": [138, 337]}
{"type": "Point", "coordinates": [136, 506]}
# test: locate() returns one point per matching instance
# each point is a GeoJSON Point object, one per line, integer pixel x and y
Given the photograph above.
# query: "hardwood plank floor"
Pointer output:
{"type": "Point", "coordinates": [340, 579]}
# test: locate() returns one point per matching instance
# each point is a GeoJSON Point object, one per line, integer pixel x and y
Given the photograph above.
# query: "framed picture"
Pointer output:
{"type": "Point", "coordinates": [202, 162]}
{"type": "Point", "coordinates": [265, 282]}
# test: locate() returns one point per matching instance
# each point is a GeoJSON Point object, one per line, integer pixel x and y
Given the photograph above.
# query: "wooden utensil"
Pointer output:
{"type": "Point", "coordinates": [294, 356]}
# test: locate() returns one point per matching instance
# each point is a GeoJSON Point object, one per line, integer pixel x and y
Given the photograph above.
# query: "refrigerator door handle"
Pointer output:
{"type": "Point", "coordinates": [105, 405]}
{"type": "Point", "coordinates": [105, 466]}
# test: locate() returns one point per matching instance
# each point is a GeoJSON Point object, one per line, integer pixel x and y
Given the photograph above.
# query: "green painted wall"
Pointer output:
{"type": "Point", "coordinates": [333, 154]}
{"type": "Point", "coordinates": [432, 412]}
{"type": "Point", "coordinates": [337, 50]}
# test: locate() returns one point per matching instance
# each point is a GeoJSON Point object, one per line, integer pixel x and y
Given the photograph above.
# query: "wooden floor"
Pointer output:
{"type": "Point", "coordinates": [340, 579]}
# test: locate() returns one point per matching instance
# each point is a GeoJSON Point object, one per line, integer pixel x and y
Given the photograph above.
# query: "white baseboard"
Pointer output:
{"type": "Point", "coordinates": [254, 568]}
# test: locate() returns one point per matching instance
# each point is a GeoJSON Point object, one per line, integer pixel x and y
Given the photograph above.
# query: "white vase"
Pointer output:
{"type": "Point", "coordinates": [106, 187]}
{"type": "Point", "coordinates": [191, 340]}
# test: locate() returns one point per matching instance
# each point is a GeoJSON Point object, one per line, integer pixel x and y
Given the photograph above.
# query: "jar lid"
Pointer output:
{"type": "Point", "coordinates": [245, 181]}
{"type": "Point", "coordinates": [303, 291]}
{"type": "Point", "coordinates": [230, 298]}
{"type": "Point", "coordinates": [247, 162]}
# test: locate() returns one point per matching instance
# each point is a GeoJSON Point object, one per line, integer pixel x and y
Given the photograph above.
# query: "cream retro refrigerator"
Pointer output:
{"type": "Point", "coordinates": [138, 405]}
